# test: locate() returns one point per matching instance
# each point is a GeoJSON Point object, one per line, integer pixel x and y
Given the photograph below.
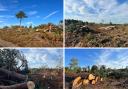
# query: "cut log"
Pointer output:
{"type": "Point", "coordinates": [31, 85]}
{"type": "Point", "coordinates": [13, 75]}
{"type": "Point", "coordinates": [26, 85]}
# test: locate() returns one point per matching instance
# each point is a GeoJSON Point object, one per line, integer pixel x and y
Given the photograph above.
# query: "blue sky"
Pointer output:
{"type": "Point", "coordinates": [38, 11]}
{"type": "Point", "coordinates": [113, 58]}
{"type": "Point", "coordinates": [98, 11]}
{"type": "Point", "coordinates": [43, 56]}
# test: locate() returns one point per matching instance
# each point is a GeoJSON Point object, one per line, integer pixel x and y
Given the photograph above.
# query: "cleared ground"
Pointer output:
{"type": "Point", "coordinates": [96, 35]}
{"type": "Point", "coordinates": [14, 38]}
{"type": "Point", "coordinates": [107, 83]}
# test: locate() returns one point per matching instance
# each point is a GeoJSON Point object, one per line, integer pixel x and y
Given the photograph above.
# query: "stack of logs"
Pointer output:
{"type": "Point", "coordinates": [91, 79]}
{"type": "Point", "coordinates": [13, 80]}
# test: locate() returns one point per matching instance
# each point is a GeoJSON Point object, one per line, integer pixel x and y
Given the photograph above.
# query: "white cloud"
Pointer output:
{"type": "Point", "coordinates": [15, 1]}
{"type": "Point", "coordinates": [32, 13]}
{"type": "Point", "coordinates": [1, 16]}
{"type": "Point", "coordinates": [96, 10]}
{"type": "Point", "coordinates": [38, 57]}
{"type": "Point", "coordinates": [51, 14]}
{"type": "Point", "coordinates": [6, 16]}
{"type": "Point", "coordinates": [2, 7]}
{"type": "Point", "coordinates": [52, 51]}
{"type": "Point", "coordinates": [1, 21]}
{"type": "Point", "coordinates": [113, 58]}
{"type": "Point", "coordinates": [34, 6]}
{"type": "Point", "coordinates": [4, 19]}
{"type": "Point", "coordinates": [37, 16]}
{"type": "Point", "coordinates": [30, 23]}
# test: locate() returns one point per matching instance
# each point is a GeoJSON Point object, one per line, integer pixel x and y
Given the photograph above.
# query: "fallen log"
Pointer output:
{"type": "Point", "coordinates": [13, 75]}
{"type": "Point", "coordinates": [26, 85]}
{"type": "Point", "coordinates": [2, 77]}
{"type": "Point", "coordinates": [7, 82]}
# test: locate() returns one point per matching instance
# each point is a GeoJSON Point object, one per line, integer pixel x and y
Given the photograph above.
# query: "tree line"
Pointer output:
{"type": "Point", "coordinates": [100, 70]}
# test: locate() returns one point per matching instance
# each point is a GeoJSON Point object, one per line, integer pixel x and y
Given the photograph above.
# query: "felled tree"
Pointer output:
{"type": "Point", "coordinates": [13, 60]}
{"type": "Point", "coordinates": [13, 65]}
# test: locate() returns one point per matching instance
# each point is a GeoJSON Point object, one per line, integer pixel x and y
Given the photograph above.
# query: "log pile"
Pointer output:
{"type": "Point", "coordinates": [13, 80]}
{"type": "Point", "coordinates": [91, 79]}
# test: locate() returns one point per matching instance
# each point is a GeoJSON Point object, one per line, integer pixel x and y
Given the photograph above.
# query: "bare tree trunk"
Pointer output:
{"type": "Point", "coordinates": [20, 24]}
{"type": "Point", "coordinates": [26, 85]}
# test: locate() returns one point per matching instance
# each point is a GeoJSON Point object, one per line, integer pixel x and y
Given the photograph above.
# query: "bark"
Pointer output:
{"type": "Point", "coordinates": [20, 22]}
{"type": "Point", "coordinates": [8, 82]}
{"type": "Point", "coordinates": [13, 75]}
{"type": "Point", "coordinates": [25, 85]}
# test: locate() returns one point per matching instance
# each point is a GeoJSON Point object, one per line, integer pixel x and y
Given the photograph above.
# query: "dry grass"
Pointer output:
{"type": "Point", "coordinates": [32, 38]}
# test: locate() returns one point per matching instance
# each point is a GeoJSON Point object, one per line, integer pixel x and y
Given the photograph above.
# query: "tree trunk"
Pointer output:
{"type": "Point", "coordinates": [13, 75]}
{"type": "Point", "coordinates": [20, 22]}
{"type": "Point", "coordinates": [26, 85]}
{"type": "Point", "coordinates": [7, 82]}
